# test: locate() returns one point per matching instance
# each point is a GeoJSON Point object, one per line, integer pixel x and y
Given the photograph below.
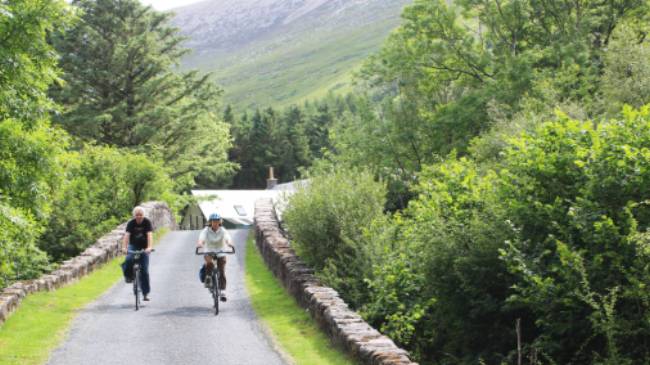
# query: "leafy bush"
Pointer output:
{"type": "Point", "coordinates": [444, 291]}
{"type": "Point", "coordinates": [579, 194]}
{"type": "Point", "coordinates": [326, 220]}
{"type": "Point", "coordinates": [554, 237]}
{"type": "Point", "coordinates": [102, 186]}
{"type": "Point", "coordinates": [19, 256]}
{"type": "Point", "coordinates": [29, 174]}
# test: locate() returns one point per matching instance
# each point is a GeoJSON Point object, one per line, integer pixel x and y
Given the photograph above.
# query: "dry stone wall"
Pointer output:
{"type": "Point", "coordinates": [106, 248]}
{"type": "Point", "coordinates": [344, 326]}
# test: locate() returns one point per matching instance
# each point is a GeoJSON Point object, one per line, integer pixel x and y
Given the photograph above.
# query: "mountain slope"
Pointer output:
{"type": "Point", "coordinates": [275, 52]}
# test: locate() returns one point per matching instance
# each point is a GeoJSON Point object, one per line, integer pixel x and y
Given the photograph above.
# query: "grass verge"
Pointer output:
{"type": "Point", "coordinates": [292, 328]}
{"type": "Point", "coordinates": [41, 321]}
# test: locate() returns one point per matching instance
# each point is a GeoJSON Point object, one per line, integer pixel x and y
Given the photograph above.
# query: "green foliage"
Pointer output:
{"type": "Point", "coordinates": [288, 140]}
{"type": "Point", "coordinates": [27, 61]}
{"type": "Point", "coordinates": [120, 89]}
{"type": "Point", "coordinates": [29, 176]}
{"type": "Point", "coordinates": [444, 290]}
{"type": "Point", "coordinates": [326, 220]}
{"type": "Point", "coordinates": [583, 213]}
{"type": "Point", "coordinates": [454, 70]}
{"type": "Point", "coordinates": [397, 303]}
{"type": "Point", "coordinates": [554, 234]}
{"type": "Point", "coordinates": [29, 146]}
{"type": "Point", "coordinates": [29, 170]}
{"type": "Point", "coordinates": [626, 79]}
{"type": "Point", "coordinates": [19, 256]}
{"type": "Point", "coordinates": [391, 150]}
{"type": "Point", "coordinates": [102, 185]}
{"type": "Point", "coordinates": [538, 232]}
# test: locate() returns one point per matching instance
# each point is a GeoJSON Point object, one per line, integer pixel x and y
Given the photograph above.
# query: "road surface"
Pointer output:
{"type": "Point", "coordinates": [178, 325]}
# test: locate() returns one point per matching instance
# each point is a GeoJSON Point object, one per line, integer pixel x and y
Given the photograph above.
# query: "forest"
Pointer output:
{"type": "Point", "coordinates": [483, 197]}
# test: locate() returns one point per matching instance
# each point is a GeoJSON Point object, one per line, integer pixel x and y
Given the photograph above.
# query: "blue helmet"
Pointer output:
{"type": "Point", "coordinates": [214, 217]}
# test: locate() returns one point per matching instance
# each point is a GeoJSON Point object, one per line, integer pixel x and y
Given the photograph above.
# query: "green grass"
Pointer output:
{"type": "Point", "coordinates": [291, 327]}
{"type": "Point", "coordinates": [42, 319]}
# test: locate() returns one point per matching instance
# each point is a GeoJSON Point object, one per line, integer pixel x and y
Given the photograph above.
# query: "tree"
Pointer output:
{"type": "Point", "coordinates": [27, 64]}
{"type": "Point", "coordinates": [262, 148]}
{"type": "Point", "coordinates": [29, 146]}
{"type": "Point", "coordinates": [120, 89]}
{"type": "Point", "coordinates": [292, 144]}
{"type": "Point", "coordinates": [454, 70]}
{"type": "Point", "coordinates": [317, 129]}
{"type": "Point", "coordinates": [626, 78]}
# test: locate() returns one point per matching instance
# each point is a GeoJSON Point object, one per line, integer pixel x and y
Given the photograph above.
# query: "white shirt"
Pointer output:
{"type": "Point", "coordinates": [215, 241]}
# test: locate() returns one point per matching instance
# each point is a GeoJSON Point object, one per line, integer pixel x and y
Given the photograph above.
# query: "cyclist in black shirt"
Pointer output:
{"type": "Point", "coordinates": [138, 236]}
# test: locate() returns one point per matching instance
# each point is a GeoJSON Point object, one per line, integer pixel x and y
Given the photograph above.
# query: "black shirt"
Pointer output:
{"type": "Point", "coordinates": [138, 233]}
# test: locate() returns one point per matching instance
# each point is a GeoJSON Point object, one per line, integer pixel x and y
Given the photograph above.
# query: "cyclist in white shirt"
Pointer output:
{"type": "Point", "coordinates": [214, 238]}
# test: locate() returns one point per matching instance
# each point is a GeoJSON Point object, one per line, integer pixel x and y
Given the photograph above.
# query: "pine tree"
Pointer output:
{"type": "Point", "coordinates": [317, 129]}
{"type": "Point", "coordinates": [295, 145]}
{"type": "Point", "coordinates": [120, 89]}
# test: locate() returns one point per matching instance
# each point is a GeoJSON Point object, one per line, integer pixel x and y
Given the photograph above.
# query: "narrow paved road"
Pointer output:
{"type": "Point", "coordinates": [178, 325]}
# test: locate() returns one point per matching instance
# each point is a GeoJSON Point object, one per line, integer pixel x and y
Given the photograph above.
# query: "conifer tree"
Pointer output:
{"type": "Point", "coordinates": [121, 89]}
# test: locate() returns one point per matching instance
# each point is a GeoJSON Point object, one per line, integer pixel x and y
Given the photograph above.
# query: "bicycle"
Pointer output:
{"type": "Point", "coordinates": [214, 276]}
{"type": "Point", "coordinates": [136, 275]}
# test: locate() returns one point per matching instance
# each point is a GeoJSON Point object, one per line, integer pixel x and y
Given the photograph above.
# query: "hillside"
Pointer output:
{"type": "Point", "coordinates": [274, 52]}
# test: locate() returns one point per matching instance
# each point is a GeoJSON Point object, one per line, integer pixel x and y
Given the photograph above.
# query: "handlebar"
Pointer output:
{"type": "Point", "coordinates": [214, 252]}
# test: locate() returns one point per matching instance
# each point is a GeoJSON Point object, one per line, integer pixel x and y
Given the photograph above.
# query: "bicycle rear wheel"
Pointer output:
{"type": "Point", "coordinates": [136, 286]}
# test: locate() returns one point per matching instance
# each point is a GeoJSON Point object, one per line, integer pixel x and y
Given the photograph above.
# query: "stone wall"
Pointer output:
{"type": "Point", "coordinates": [105, 249]}
{"type": "Point", "coordinates": [344, 326]}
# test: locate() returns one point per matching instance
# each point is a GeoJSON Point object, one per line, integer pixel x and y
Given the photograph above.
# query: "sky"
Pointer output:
{"type": "Point", "coordinates": [167, 4]}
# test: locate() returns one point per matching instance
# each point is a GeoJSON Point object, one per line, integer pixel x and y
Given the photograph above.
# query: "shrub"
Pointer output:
{"type": "Point", "coordinates": [554, 236]}
{"type": "Point", "coordinates": [579, 193]}
{"type": "Point", "coordinates": [29, 175]}
{"type": "Point", "coordinates": [326, 220]}
{"type": "Point", "coordinates": [102, 186]}
{"type": "Point", "coordinates": [19, 257]}
{"type": "Point", "coordinates": [442, 290]}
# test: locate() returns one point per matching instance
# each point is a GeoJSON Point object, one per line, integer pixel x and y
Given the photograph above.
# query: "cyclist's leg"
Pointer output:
{"type": "Point", "coordinates": [144, 272]}
{"type": "Point", "coordinates": [127, 265]}
{"type": "Point", "coordinates": [207, 270]}
{"type": "Point", "coordinates": [209, 265]}
{"type": "Point", "coordinates": [221, 266]}
{"type": "Point", "coordinates": [202, 273]}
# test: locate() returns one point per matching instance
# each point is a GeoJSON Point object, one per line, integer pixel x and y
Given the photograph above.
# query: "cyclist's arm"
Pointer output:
{"type": "Point", "coordinates": [125, 241]}
{"type": "Point", "coordinates": [227, 239]}
{"type": "Point", "coordinates": [149, 241]}
{"type": "Point", "coordinates": [201, 241]}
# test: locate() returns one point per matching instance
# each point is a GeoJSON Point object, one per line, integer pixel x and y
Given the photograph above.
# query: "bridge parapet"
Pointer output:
{"type": "Point", "coordinates": [344, 326]}
{"type": "Point", "coordinates": [104, 249]}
